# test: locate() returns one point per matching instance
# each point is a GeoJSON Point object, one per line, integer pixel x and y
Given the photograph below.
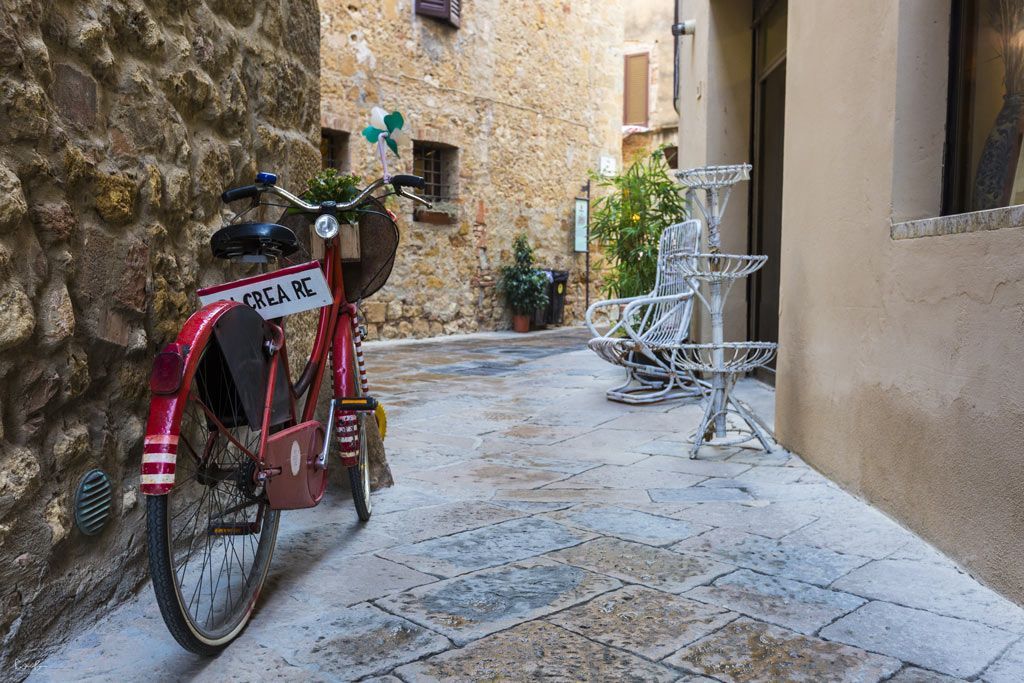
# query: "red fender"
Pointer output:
{"type": "Point", "coordinates": [160, 448]}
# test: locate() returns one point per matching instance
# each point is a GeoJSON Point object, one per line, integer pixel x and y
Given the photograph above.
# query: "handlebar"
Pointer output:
{"type": "Point", "coordinates": [399, 182]}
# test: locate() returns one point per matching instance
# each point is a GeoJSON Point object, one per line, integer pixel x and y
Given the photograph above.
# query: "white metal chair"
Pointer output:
{"type": "Point", "coordinates": [646, 339]}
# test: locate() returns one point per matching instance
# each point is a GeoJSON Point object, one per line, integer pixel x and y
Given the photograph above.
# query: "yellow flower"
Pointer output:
{"type": "Point", "coordinates": [625, 192]}
{"type": "Point", "coordinates": [636, 218]}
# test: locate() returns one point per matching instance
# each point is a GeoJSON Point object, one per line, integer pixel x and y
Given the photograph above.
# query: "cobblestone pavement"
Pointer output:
{"type": "Point", "coordinates": [539, 531]}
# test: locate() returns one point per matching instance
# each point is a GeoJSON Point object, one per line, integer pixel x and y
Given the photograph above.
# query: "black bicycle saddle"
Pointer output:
{"type": "Point", "coordinates": [257, 241]}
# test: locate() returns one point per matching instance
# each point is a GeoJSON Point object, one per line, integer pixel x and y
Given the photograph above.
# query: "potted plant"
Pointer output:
{"type": "Point", "coordinates": [524, 287]}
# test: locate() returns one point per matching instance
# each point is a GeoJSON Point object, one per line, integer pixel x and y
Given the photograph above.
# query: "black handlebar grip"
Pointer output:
{"type": "Point", "coordinates": [240, 193]}
{"type": "Point", "coordinates": [408, 181]}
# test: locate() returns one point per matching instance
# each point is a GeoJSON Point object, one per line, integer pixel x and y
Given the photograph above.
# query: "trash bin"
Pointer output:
{"type": "Point", "coordinates": [554, 312]}
{"type": "Point", "coordinates": [556, 296]}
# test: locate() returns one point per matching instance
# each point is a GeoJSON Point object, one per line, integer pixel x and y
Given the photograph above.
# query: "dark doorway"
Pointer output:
{"type": "Point", "coordinates": [766, 188]}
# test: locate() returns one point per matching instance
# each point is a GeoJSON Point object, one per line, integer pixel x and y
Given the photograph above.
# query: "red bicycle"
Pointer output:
{"type": "Point", "coordinates": [227, 446]}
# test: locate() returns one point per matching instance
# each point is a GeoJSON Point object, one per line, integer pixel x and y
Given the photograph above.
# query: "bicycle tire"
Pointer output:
{"type": "Point", "coordinates": [359, 474]}
{"type": "Point", "coordinates": [181, 605]}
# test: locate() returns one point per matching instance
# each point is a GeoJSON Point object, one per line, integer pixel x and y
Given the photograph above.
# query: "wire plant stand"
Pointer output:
{"type": "Point", "coordinates": [725, 421]}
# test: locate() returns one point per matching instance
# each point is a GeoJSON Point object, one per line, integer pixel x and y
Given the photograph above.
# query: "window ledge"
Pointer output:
{"type": "Point", "coordinates": [976, 221]}
{"type": "Point", "coordinates": [434, 217]}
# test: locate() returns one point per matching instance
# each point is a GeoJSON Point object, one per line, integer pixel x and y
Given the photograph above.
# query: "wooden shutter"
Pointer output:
{"type": "Point", "coordinates": [634, 107]}
{"type": "Point", "coordinates": [449, 11]}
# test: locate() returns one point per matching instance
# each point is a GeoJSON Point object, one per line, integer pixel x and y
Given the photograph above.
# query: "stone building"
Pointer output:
{"type": "Point", "coordinates": [649, 116]}
{"type": "Point", "coordinates": [509, 109]}
{"type": "Point", "coordinates": [883, 191]}
{"type": "Point", "coordinates": [122, 123]}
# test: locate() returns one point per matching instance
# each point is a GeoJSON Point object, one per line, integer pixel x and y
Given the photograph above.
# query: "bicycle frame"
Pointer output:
{"type": "Point", "coordinates": [175, 369]}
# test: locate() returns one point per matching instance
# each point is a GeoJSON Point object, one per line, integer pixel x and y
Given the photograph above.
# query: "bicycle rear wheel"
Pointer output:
{"type": "Point", "coordinates": [211, 539]}
{"type": "Point", "coordinates": [359, 474]}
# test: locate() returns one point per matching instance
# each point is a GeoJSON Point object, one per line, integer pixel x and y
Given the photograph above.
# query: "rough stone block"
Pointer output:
{"type": "Point", "coordinates": [536, 651]}
{"type": "Point", "coordinates": [644, 621]}
{"type": "Point", "coordinates": [751, 651]}
{"type": "Point", "coordinates": [636, 563]}
{"type": "Point", "coordinates": [472, 606]}
{"type": "Point", "coordinates": [798, 606]}
{"type": "Point", "coordinates": [801, 563]}
{"type": "Point", "coordinates": [952, 646]}
{"type": "Point", "coordinates": [486, 547]}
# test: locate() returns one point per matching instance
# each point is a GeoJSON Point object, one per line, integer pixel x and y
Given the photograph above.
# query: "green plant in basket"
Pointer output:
{"type": "Point", "coordinates": [629, 219]}
{"type": "Point", "coordinates": [524, 287]}
{"type": "Point", "coordinates": [330, 185]}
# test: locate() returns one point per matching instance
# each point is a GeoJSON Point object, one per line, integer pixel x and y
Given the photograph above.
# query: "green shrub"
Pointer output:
{"type": "Point", "coordinates": [524, 287]}
{"type": "Point", "coordinates": [628, 220]}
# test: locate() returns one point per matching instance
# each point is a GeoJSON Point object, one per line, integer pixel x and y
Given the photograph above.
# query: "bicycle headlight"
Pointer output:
{"type": "Point", "coordinates": [326, 226]}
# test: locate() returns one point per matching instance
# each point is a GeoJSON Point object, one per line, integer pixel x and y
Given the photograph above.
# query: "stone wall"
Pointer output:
{"type": "Point", "coordinates": [122, 123]}
{"type": "Point", "coordinates": [530, 96]}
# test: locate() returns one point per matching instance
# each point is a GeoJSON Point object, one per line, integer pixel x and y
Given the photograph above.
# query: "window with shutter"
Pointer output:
{"type": "Point", "coordinates": [448, 11]}
{"type": "Point", "coordinates": [634, 109]}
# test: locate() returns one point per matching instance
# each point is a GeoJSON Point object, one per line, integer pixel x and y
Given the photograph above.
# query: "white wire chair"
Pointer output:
{"type": "Point", "coordinates": [653, 329]}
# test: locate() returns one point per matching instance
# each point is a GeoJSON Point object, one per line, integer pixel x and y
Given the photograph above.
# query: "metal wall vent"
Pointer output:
{"type": "Point", "coordinates": [92, 502]}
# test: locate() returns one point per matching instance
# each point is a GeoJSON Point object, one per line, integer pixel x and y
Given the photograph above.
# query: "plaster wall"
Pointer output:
{"type": "Point", "coordinates": [714, 123]}
{"type": "Point", "coordinates": [899, 371]}
{"type": "Point", "coordinates": [532, 98]}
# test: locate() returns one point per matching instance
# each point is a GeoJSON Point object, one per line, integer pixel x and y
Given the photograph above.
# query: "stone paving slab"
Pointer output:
{"type": "Point", "coordinates": [944, 644]}
{"type": "Point", "coordinates": [620, 477]}
{"type": "Point", "coordinates": [631, 525]}
{"type": "Point", "coordinates": [1009, 668]}
{"type": "Point", "coordinates": [482, 474]}
{"type": "Point", "coordinates": [943, 590]}
{"type": "Point", "coordinates": [769, 520]}
{"type": "Point", "coordinates": [646, 622]}
{"type": "Point", "coordinates": [879, 535]}
{"type": "Point", "coordinates": [489, 546]}
{"type": "Point", "coordinates": [573, 496]}
{"type": "Point", "coordinates": [698, 494]}
{"type": "Point", "coordinates": [540, 435]}
{"type": "Point", "coordinates": [797, 562]}
{"type": "Point", "coordinates": [637, 563]}
{"type": "Point", "coordinates": [336, 582]}
{"type": "Point", "coordinates": [612, 446]}
{"type": "Point", "coordinates": [527, 457]}
{"type": "Point", "coordinates": [753, 652]}
{"type": "Point", "coordinates": [442, 520]}
{"type": "Point", "coordinates": [474, 605]}
{"type": "Point", "coordinates": [912, 674]}
{"type": "Point", "coordinates": [763, 474]}
{"type": "Point", "coordinates": [797, 606]}
{"type": "Point", "coordinates": [536, 651]}
{"type": "Point", "coordinates": [684, 465]}
{"type": "Point", "coordinates": [357, 642]}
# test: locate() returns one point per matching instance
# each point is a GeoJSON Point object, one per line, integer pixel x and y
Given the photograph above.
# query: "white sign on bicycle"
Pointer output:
{"type": "Point", "coordinates": [274, 295]}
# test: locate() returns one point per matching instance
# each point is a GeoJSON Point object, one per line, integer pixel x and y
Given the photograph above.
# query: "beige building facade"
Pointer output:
{"type": "Point", "coordinates": [650, 119]}
{"type": "Point", "coordinates": [509, 111]}
{"type": "Point", "coordinates": [899, 320]}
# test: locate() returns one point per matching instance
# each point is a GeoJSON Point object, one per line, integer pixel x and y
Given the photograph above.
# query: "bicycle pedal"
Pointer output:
{"type": "Point", "coordinates": [359, 403]}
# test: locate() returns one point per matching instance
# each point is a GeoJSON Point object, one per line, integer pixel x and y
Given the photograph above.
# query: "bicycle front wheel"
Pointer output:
{"type": "Point", "coordinates": [211, 539]}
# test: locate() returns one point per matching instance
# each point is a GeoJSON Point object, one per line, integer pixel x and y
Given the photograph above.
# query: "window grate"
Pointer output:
{"type": "Point", "coordinates": [435, 163]}
{"type": "Point", "coordinates": [334, 149]}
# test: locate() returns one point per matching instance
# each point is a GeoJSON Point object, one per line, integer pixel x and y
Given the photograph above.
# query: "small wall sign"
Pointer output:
{"type": "Point", "coordinates": [582, 225]}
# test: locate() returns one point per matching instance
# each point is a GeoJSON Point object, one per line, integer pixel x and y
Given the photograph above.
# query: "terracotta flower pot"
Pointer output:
{"type": "Point", "coordinates": [521, 323]}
